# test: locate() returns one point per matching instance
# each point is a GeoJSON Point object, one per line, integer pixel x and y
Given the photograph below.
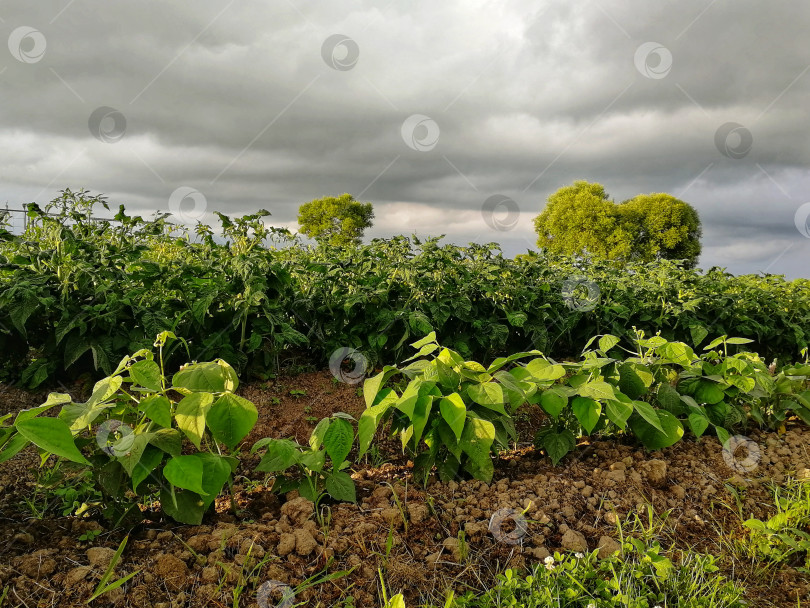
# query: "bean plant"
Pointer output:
{"type": "Point", "coordinates": [78, 293]}
{"type": "Point", "coordinates": [143, 435]}
{"type": "Point", "coordinates": [456, 414]}
{"type": "Point", "coordinates": [333, 437]}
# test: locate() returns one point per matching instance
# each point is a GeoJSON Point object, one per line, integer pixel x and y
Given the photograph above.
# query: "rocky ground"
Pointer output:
{"type": "Point", "coordinates": [411, 534]}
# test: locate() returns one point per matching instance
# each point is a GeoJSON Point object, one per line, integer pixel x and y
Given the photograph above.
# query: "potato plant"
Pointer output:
{"type": "Point", "coordinates": [142, 434]}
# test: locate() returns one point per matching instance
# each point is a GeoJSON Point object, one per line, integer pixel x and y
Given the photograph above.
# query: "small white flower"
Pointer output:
{"type": "Point", "coordinates": [550, 560]}
{"type": "Point", "coordinates": [656, 606]}
{"type": "Point", "coordinates": [578, 555]}
{"type": "Point", "coordinates": [591, 605]}
{"type": "Point", "coordinates": [549, 566]}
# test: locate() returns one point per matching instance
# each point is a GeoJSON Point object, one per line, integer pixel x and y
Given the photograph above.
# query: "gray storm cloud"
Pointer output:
{"type": "Point", "coordinates": [273, 104]}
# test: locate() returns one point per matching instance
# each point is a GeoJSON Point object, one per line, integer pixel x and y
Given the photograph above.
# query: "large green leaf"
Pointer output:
{"type": "Point", "coordinates": [190, 507]}
{"type": "Point", "coordinates": [618, 412]}
{"type": "Point", "coordinates": [314, 460]}
{"type": "Point", "coordinates": [317, 435]}
{"type": "Point", "coordinates": [216, 472]}
{"type": "Point", "coordinates": [409, 396]}
{"type": "Point", "coordinates": [587, 412]}
{"type": "Point", "coordinates": [488, 394]}
{"type": "Point", "coordinates": [744, 383]}
{"type": "Point", "coordinates": [421, 414]}
{"type": "Point", "coordinates": [553, 402]}
{"type": "Point", "coordinates": [649, 413]}
{"type": "Point", "coordinates": [190, 415]}
{"type": "Point", "coordinates": [677, 352]}
{"type": "Point", "coordinates": [669, 399]}
{"type": "Point", "coordinates": [338, 440]}
{"type": "Point", "coordinates": [51, 435]}
{"type": "Point", "coordinates": [131, 456]}
{"type": "Point", "coordinates": [168, 440]}
{"type": "Point", "coordinates": [501, 361]}
{"type": "Point", "coordinates": [370, 419]}
{"type": "Point", "coordinates": [708, 392]}
{"type": "Point", "coordinates": [607, 342]}
{"type": "Point", "coordinates": [281, 454]}
{"type": "Point", "coordinates": [157, 408]}
{"type": "Point", "coordinates": [651, 437]}
{"type": "Point", "coordinates": [476, 441]}
{"type": "Point", "coordinates": [557, 445]}
{"type": "Point", "coordinates": [13, 446]}
{"type": "Point", "coordinates": [149, 461]}
{"type": "Point", "coordinates": [597, 389]}
{"type": "Point", "coordinates": [454, 412]}
{"type": "Point", "coordinates": [231, 418]}
{"type": "Point", "coordinates": [698, 421]}
{"type": "Point", "coordinates": [209, 377]}
{"type": "Point", "coordinates": [104, 390]}
{"type": "Point", "coordinates": [372, 386]}
{"type": "Point", "coordinates": [630, 383]}
{"type": "Point", "coordinates": [698, 333]}
{"type": "Point", "coordinates": [739, 341]}
{"type": "Point", "coordinates": [341, 486]}
{"type": "Point", "coordinates": [146, 374]}
{"type": "Point", "coordinates": [543, 371]}
{"type": "Point", "coordinates": [185, 472]}
{"type": "Point", "coordinates": [53, 400]}
{"type": "Point", "coordinates": [449, 439]}
{"type": "Point", "coordinates": [448, 468]}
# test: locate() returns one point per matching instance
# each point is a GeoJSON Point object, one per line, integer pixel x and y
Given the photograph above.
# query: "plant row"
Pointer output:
{"type": "Point", "coordinates": [147, 438]}
{"type": "Point", "coordinates": [77, 294]}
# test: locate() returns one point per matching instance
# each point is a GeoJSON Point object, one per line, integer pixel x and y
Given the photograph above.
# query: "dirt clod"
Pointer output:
{"type": "Point", "coordinates": [172, 570]}
{"type": "Point", "coordinates": [608, 546]}
{"type": "Point", "coordinates": [574, 541]}
{"type": "Point", "coordinates": [100, 557]}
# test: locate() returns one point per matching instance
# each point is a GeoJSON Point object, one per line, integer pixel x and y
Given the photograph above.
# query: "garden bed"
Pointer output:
{"type": "Point", "coordinates": [423, 541]}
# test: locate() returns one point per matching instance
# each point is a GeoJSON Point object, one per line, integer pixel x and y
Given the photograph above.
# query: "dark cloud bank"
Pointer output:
{"type": "Point", "coordinates": [269, 105]}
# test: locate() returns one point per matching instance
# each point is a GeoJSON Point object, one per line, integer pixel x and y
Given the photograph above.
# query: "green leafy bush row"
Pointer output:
{"type": "Point", "coordinates": [456, 414]}
{"type": "Point", "coordinates": [77, 294]}
{"type": "Point", "coordinates": [144, 436]}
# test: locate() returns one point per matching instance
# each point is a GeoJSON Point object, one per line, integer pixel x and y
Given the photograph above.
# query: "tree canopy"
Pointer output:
{"type": "Point", "coordinates": [335, 220]}
{"type": "Point", "coordinates": [581, 220]}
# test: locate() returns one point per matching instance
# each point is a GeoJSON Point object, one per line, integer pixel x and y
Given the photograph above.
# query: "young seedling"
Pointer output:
{"type": "Point", "coordinates": [103, 587]}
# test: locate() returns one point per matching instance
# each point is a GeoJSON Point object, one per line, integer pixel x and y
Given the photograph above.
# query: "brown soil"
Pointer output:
{"type": "Point", "coordinates": [409, 533]}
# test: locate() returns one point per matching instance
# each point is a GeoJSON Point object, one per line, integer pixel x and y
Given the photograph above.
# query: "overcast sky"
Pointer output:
{"type": "Point", "coordinates": [425, 109]}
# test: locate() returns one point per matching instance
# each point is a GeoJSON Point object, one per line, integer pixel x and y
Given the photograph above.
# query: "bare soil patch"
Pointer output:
{"type": "Point", "coordinates": [410, 533]}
